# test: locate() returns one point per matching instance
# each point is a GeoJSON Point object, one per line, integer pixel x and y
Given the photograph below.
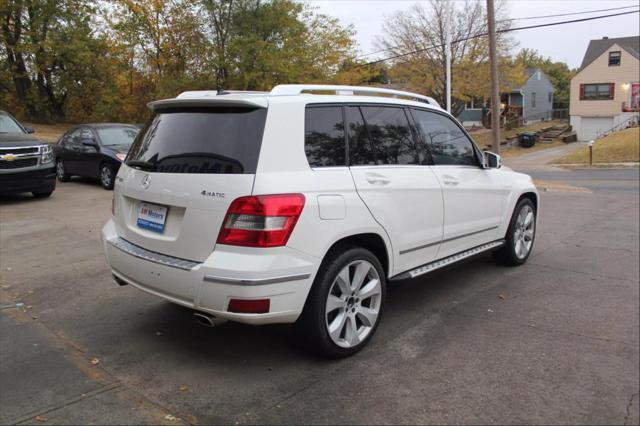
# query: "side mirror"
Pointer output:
{"type": "Point", "coordinates": [491, 160]}
{"type": "Point", "coordinates": [89, 142]}
{"type": "Point", "coordinates": [29, 130]}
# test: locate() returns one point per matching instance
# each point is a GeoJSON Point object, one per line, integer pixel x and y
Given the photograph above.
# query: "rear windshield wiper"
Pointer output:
{"type": "Point", "coordinates": [142, 165]}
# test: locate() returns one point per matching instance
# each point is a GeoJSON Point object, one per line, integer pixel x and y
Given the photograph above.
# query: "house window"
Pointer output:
{"type": "Point", "coordinates": [533, 99]}
{"type": "Point", "coordinates": [614, 59]}
{"type": "Point", "coordinates": [550, 97]}
{"type": "Point", "coordinates": [596, 92]}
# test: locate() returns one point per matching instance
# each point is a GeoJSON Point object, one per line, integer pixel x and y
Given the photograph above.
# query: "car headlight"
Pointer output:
{"type": "Point", "coordinates": [46, 154]}
{"type": "Point", "coordinates": [121, 156]}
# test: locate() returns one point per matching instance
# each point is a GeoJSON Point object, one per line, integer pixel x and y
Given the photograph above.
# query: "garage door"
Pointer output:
{"type": "Point", "coordinates": [591, 127]}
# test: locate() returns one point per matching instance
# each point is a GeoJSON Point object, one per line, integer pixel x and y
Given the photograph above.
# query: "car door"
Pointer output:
{"type": "Point", "coordinates": [70, 151]}
{"type": "Point", "coordinates": [89, 156]}
{"type": "Point", "coordinates": [391, 171]}
{"type": "Point", "coordinates": [473, 196]}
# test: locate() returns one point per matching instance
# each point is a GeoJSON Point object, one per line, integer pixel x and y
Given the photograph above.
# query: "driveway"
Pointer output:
{"type": "Point", "coordinates": [540, 160]}
{"type": "Point", "coordinates": [553, 341]}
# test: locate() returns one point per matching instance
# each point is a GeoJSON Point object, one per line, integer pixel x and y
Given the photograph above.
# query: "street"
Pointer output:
{"type": "Point", "coordinates": [553, 341]}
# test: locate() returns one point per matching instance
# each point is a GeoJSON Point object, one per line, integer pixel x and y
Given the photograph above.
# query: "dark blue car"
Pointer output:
{"type": "Point", "coordinates": [94, 150]}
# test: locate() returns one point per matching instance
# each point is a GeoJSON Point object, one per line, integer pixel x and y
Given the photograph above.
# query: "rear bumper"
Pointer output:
{"type": "Point", "coordinates": [282, 275]}
{"type": "Point", "coordinates": [41, 180]}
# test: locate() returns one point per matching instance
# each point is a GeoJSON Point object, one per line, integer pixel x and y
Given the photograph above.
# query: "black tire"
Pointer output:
{"type": "Point", "coordinates": [39, 194]}
{"type": "Point", "coordinates": [107, 176]}
{"type": "Point", "coordinates": [313, 323]}
{"type": "Point", "coordinates": [61, 171]}
{"type": "Point", "coordinates": [507, 254]}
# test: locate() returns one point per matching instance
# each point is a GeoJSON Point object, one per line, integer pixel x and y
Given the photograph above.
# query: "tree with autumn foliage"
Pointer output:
{"type": "Point", "coordinates": [415, 38]}
{"type": "Point", "coordinates": [80, 60]}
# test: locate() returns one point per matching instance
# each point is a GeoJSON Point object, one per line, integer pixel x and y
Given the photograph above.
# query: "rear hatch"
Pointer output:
{"type": "Point", "coordinates": [187, 165]}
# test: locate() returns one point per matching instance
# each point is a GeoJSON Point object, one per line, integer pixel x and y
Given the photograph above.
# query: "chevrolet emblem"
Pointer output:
{"type": "Point", "coordinates": [8, 157]}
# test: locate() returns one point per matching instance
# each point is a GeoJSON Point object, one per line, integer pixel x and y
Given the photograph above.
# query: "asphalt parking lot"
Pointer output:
{"type": "Point", "coordinates": [554, 341]}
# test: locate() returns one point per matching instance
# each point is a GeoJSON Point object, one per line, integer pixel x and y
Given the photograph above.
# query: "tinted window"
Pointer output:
{"type": "Point", "coordinates": [447, 141]}
{"type": "Point", "coordinates": [213, 140]}
{"type": "Point", "coordinates": [360, 148]}
{"type": "Point", "coordinates": [391, 135]}
{"type": "Point", "coordinates": [72, 141]}
{"type": "Point", "coordinates": [324, 137]}
{"type": "Point", "coordinates": [121, 136]}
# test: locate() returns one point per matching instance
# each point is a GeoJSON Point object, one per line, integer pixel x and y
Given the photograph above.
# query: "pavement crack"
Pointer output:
{"type": "Point", "coordinates": [629, 404]}
{"type": "Point", "coordinates": [30, 416]}
{"type": "Point", "coordinates": [288, 397]}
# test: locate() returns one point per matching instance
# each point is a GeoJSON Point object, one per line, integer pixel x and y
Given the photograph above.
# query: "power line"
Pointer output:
{"type": "Point", "coordinates": [549, 24]}
{"type": "Point", "coordinates": [568, 14]}
{"type": "Point", "coordinates": [526, 18]}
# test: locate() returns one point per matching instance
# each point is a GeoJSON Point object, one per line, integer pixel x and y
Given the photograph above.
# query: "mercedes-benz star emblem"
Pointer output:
{"type": "Point", "coordinates": [146, 181]}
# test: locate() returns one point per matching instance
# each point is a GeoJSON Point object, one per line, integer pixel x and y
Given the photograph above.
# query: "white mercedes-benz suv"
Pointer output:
{"type": "Point", "coordinates": [303, 203]}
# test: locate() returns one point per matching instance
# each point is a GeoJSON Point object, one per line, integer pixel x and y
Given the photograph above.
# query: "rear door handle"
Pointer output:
{"type": "Point", "coordinates": [450, 180]}
{"type": "Point", "coordinates": [376, 179]}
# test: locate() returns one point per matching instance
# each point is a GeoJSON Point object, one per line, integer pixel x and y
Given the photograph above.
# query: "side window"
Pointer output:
{"type": "Point", "coordinates": [85, 134]}
{"type": "Point", "coordinates": [324, 141]}
{"type": "Point", "coordinates": [360, 148]}
{"type": "Point", "coordinates": [533, 99]}
{"type": "Point", "coordinates": [391, 135]}
{"type": "Point", "coordinates": [448, 143]}
{"type": "Point", "coordinates": [72, 141]}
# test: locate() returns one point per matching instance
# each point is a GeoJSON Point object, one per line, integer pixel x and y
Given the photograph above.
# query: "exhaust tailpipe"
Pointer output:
{"type": "Point", "coordinates": [208, 320]}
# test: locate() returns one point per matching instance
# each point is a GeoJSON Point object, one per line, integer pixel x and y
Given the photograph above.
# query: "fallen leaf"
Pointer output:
{"type": "Point", "coordinates": [502, 296]}
{"type": "Point", "coordinates": [171, 417]}
{"type": "Point", "coordinates": [95, 361]}
{"type": "Point", "coordinates": [183, 388]}
{"type": "Point", "coordinates": [41, 419]}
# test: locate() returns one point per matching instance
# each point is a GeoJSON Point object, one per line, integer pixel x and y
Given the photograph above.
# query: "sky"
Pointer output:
{"type": "Point", "coordinates": [566, 43]}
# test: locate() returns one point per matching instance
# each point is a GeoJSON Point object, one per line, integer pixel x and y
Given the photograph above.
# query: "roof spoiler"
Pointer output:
{"type": "Point", "coordinates": [222, 101]}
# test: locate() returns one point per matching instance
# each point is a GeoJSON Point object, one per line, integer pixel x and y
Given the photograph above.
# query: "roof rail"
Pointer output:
{"type": "Point", "coordinates": [296, 89]}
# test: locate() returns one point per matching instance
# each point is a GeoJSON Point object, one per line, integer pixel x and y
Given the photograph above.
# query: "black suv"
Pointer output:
{"type": "Point", "coordinates": [26, 164]}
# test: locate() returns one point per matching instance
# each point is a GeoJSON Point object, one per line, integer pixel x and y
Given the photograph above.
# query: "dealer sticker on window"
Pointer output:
{"type": "Point", "coordinates": [152, 217]}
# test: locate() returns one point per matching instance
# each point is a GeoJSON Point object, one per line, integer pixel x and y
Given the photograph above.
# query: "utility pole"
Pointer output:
{"type": "Point", "coordinates": [447, 28]}
{"type": "Point", "coordinates": [495, 93]}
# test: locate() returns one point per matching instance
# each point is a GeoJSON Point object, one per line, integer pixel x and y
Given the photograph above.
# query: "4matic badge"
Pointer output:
{"type": "Point", "coordinates": [212, 194]}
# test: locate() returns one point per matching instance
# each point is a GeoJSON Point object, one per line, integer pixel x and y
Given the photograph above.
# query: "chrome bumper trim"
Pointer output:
{"type": "Point", "coordinates": [256, 281]}
{"type": "Point", "coordinates": [152, 256]}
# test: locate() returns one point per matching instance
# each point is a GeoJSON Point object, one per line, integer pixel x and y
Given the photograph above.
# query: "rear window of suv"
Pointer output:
{"type": "Point", "coordinates": [206, 141]}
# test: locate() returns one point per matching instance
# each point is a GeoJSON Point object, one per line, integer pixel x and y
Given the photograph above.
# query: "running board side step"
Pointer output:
{"type": "Point", "coordinates": [430, 267]}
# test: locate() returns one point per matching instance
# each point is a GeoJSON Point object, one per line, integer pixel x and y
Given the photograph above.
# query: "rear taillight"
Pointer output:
{"type": "Point", "coordinates": [261, 221]}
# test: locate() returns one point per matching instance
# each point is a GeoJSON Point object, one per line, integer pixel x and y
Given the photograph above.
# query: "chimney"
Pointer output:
{"type": "Point", "coordinates": [605, 38]}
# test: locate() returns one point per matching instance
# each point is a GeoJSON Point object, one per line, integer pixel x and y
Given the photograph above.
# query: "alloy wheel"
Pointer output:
{"type": "Point", "coordinates": [105, 176]}
{"type": "Point", "coordinates": [60, 170]}
{"type": "Point", "coordinates": [524, 232]}
{"type": "Point", "coordinates": [353, 304]}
